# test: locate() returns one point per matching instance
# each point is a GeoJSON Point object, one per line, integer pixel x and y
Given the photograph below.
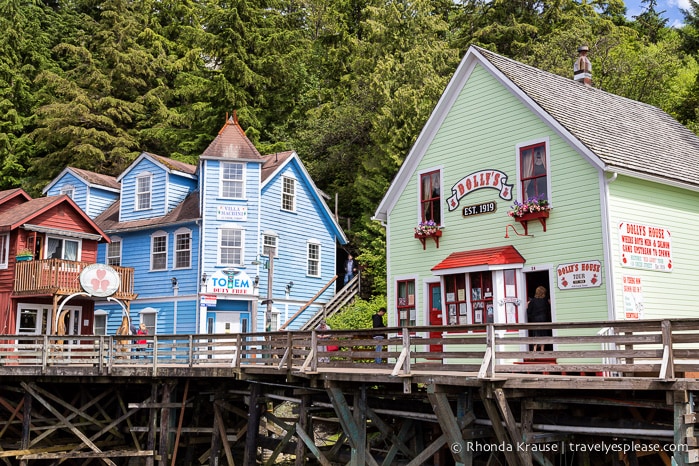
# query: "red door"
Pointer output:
{"type": "Point", "coordinates": [435, 303]}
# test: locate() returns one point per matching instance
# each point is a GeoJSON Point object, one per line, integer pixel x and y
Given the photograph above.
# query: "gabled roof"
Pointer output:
{"type": "Point", "coordinates": [9, 194]}
{"type": "Point", "coordinates": [501, 255]}
{"type": "Point", "coordinates": [625, 134]}
{"type": "Point", "coordinates": [186, 211]}
{"type": "Point", "coordinates": [26, 212]}
{"type": "Point", "coordinates": [167, 164]}
{"type": "Point", "coordinates": [274, 163]}
{"type": "Point", "coordinates": [92, 179]}
{"type": "Point", "coordinates": [231, 143]}
{"type": "Point", "coordinates": [613, 133]}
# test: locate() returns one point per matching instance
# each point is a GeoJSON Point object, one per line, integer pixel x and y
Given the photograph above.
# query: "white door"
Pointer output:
{"type": "Point", "coordinates": [227, 323]}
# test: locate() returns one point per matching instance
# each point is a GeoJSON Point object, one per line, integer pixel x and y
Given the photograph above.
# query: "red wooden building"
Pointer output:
{"type": "Point", "coordinates": [44, 245]}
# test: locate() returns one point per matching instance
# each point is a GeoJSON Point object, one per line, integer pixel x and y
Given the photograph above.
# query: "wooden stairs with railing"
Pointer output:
{"type": "Point", "coordinates": [335, 305]}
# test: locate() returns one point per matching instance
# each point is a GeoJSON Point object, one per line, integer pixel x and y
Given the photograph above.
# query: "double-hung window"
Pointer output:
{"type": "Point", "coordinates": [144, 188]}
{"type": "Point", "coordinates": [158, 248]}
{"type": "Point", "coordinates": [114, 252]}
{"type": "Point", "coordinates": [4, 250]}
{"type": "Point", "coordinates": [269, 245]}
{"type": "Point", "coordinates": [68, 190]}
{"type": "Point", "coordinates": [533, 172]}
{"type": "Point", "coordinates": [313, 259]}
{"type": "Point", "coordinates": [288, 194]}
{"type": "Point", "coordinates": [232, 180]}
{"type": "Point", "coordinates": [183, 248]}
{"type": "Point", "coordinates": [231, 246]}
{"type": "Point", "coordinates": [430, 197]}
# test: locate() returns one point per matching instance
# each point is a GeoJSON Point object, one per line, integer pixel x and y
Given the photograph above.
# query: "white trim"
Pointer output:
{"type": "Point", "coordinates": [219, 247]}
{"type": "Point", "coordinates": [442, 203]}
{"type": "Point", "coordinates": [143, 176]}
{"type": "Point", "coordinates": [62, 233]}
{"type": "Point", "coordinates": [283, 193]}
{"type": "Point", "coordinates": [315, 242]}
{"type": "Point", "coordinates": [243, 174]}
{"type": "Point", "coordinates": [606, 219]}
{"type": "Point", "coordinates": [5, 250]}
{"type": "Point", "coordinates": [176, 233]}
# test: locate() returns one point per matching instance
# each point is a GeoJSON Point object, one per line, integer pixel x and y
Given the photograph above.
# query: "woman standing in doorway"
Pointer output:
{"type": "Point", "coordinates": [539, 310]}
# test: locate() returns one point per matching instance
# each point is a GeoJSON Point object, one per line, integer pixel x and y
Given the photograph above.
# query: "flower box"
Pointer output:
{"type": "Point", "coordinates": [23, 258]}
{"type": "Point", "coordinates": [435, 234]}
{"type": "Point", "coordinates": [525, 218]}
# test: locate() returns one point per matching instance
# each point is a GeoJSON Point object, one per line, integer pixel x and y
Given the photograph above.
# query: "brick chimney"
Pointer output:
{"type": "Point", "coordinates": [582, 68]}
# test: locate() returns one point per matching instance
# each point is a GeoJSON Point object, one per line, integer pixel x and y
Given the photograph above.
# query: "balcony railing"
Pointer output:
{"type": "Point", "coordinates": [62, 277]}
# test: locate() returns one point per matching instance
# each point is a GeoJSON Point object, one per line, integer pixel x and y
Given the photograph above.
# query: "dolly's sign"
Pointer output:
{"type": "Point", "coordinates": [579, 275]}
{"type": "Point", "coordinates": [492, 179]}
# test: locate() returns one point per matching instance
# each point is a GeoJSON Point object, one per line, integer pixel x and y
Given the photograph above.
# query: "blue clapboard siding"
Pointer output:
{"type": "Point", "coordinates": [178, 187]}
{"type": "Point", "coordinates": [91, 199]}
{"type": "Point", "coordinates": [166, 315]}
{"type": "Point", "coordinates": [210, 189]}
{"type": "Point", "coordinates": [309, 222]}
{"type": "Point", "coordinates": [143, 166]}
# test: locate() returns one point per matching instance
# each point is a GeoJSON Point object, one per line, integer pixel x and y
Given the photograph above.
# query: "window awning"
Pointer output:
{"type": "Point", "coordinates": [502, 257]}
{"type": "Point", "coordinates": [59, 232]}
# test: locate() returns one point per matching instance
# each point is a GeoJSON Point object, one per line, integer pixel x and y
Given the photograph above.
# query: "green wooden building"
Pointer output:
{"type": "Point", "coordinates": [616, 184]}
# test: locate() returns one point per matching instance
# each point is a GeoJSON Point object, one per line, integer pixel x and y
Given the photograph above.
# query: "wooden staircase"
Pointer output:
{"type": "Point", "coordinates": [332, 307]}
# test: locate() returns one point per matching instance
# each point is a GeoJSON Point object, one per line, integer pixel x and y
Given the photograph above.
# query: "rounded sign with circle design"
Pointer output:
{"type": "Point", "coordinates": [100, 280]}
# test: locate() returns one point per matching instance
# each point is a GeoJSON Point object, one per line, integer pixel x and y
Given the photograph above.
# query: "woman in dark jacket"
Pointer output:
{"type": "Point", "coordinates": [539, 310]}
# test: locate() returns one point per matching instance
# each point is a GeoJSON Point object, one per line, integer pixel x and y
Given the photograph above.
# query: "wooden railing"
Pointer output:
{"type": "Point", "coordinates": [663, 350]}
{"type": "Point", "coordinates": [58, 276]}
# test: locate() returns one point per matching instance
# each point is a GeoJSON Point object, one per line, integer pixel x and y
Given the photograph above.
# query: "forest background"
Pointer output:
{"type": "Point", "coordinates": [348, 84]}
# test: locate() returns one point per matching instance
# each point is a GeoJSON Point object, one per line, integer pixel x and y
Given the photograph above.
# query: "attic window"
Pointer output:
{"type": "Point", "coordinates": [288, 194]}
{"type": "Point", "coordinates": [143, 191]}
{"type": "Point", "coordinates": [232, 180]}
{"type": "Point", "coordinates": [68, 190]}
{"type": "Point", "coordinates": [534, 172]}
{"type": "Point", "coordinates": [4, 250]}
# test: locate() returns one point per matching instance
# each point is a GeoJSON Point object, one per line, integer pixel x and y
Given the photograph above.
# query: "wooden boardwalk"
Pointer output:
{"type": "Point", "coordinates": [429, 400]}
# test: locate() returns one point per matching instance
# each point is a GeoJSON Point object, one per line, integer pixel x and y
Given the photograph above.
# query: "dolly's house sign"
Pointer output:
{"type": "Point", "coordinates": [645, 247]}
{"type": "Point", "coordinates": [586, 274]}
{"type": "Point", "coordinates": [493, 179]}
{"type": "Point", "coordinates": [100, 280]}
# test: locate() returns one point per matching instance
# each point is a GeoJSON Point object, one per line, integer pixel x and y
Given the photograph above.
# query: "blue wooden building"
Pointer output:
{"type": "Point", "coordinates": [238, 242]}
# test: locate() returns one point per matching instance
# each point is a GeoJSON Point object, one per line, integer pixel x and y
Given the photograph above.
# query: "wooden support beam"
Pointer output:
{"type": "Point", "coordinates": [222, 434]}
{"type": "Point", "coordinates": [450, 427]}
{"type": "Point", "coordinates": [398, 443]}
{"type": "Point", "coordinates": [179, 424]}
{"type": "Point", "coordinates": [388, 433]}
{"type": "Point", "coordinates": [304, 421]}
{"type": "Point", "coordinates": [253, 426]}
{"type": "Point", "coordinates": [511, 425]}
{"type": "Point", "coordinates": [310, 444]}
{"type": "Point", "coordinates": [360, 453]}
{"type": "Point", "coordinates": [428, 451]}
{"type": "Point", "coordinates": [500, 432]}
{"type": "Point", "coordinates": [62, 418]}
{"type": "Point", "coordinates": [349, 426]}
{"type": "Point", "coordinates": [164, 440]}
{"type": "Point", "coordinates": [104, 455]}
{"type": "Point", "coordinates": [152, 423]}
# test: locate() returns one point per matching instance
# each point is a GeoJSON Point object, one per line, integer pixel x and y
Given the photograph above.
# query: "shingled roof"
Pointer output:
{"type": "Point", "coordinates": [96, 178]}
{"type": "Point", "coordinates": [624, 134]}
{"type": "Point", "coordinates": [185, 212]}
{"type": "Point", "coordinates": [231, 142]}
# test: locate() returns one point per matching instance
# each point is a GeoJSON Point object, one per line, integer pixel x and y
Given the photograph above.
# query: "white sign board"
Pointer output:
{"type": "Point", "coordinates": [236, 213]}
{"type": "Point", "coordinates": [586, 274]}
{"type": "Point", "coordinates": [633, 298]}
{"type": "Point", "coordinates": [645, 247]}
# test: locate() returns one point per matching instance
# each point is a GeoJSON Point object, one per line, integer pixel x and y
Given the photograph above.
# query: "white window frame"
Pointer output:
{"type": "Point", "coordinates": [178, 251]}
{"type": "Point", "coordinates": [158, 234]}
{"type": "Point", "coordinates": [4, 250]}
{"type": "Point", "coordinates": [109, 256]}
{"type": "Point", "coordinates": [68, 190]}
{"type": "Point", "coordinates": [522, 196]}
{"type": "Point", "coordinates": [270, 240]}
{"type": "Point", "coordinates": [100, 314]}
{"type": "Point", "coordinates": [223, 231]}
{"type": "Point", "coordinates": [143, 193]}
{"type": "Point", "coordinates": [310, 261]}
{"type": "Point", "coordinates": [63, 240]}
{"type": "Point", "coordinates": [149, 315]}
{"type": "Point", "coordinates": [235, 183]}
{"type": "Point", "coordinates": [288, 199]}
{"type": "Point", "coordinates": [75, 313]}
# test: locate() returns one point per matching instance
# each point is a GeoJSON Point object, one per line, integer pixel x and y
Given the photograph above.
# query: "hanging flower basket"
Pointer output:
{"type": "Point", "coordinates": [428, 229]}
{"type": "Point", "coordinates": [533, 205]}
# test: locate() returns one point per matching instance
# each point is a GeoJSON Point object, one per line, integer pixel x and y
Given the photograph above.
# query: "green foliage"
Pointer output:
{"type": "Point", "coordinates": [358, 314]}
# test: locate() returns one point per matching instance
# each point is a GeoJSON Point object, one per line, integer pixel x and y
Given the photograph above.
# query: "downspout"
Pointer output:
{"type": "Point", "coordinates": [606, 231]}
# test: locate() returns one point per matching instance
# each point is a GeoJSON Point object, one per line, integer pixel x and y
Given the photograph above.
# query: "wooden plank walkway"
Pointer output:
{"type": "Point", "coordinates": [602, 353]}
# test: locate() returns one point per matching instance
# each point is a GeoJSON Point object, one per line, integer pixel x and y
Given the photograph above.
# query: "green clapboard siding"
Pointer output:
{"type": "Point", "coordinates": [673, 294]}
{"type": "Point", "coordinates": [481, 131]}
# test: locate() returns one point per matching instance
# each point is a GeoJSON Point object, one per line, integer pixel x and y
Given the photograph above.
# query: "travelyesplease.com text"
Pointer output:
{"type": "Point", "coordinates": [573, 447]}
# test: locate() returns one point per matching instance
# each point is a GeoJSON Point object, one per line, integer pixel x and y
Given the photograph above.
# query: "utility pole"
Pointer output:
{"type": "Point", "coordinates": [270, 275]}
